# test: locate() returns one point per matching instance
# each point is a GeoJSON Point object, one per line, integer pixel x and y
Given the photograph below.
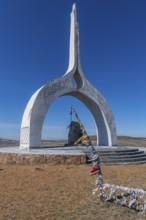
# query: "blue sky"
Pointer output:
{"type": "Point", "coordinates": [34, 49]}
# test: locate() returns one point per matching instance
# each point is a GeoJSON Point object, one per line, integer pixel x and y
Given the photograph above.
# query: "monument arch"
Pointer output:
{"type": "Point", "coordinates": [72, 83]}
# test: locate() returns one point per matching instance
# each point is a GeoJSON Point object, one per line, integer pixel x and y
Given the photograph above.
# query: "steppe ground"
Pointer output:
{"type": "Point", "coordinates": [64, 192]}
{"type": "Point", "coordinates": [59, 192]}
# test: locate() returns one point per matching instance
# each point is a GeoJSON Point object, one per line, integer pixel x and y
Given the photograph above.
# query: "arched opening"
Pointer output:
{"type": "Point", "coordinates": [57, 119]}
{"type": "Point", "coordinates": [102, 129]}
{"type": "Point", "coordinates": [37, 108]}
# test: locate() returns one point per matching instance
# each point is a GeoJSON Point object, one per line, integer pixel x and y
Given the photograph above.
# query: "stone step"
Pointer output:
{"type": "Point", "coordinates": [122, 159]}
{"type": "Point", "coordinates": [120, 154]}
{"type": "Point", "coordinates": [118, 151]}
{"type": "Point", "coordinates": [122, 163]}
{"type": "Point", "coordinates": [108, 152]}
{"type": "Point", "coordinates": [112, 156]}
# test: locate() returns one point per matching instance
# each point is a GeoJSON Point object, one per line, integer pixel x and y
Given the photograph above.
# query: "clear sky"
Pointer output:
{"type": "Point", "coordinates": [34, 49]}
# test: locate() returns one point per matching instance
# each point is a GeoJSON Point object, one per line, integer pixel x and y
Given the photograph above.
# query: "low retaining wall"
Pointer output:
{"type": "Point", "coordinates": [14, 158]}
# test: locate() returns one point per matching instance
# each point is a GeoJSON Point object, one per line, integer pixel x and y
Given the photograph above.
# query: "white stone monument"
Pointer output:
{"type": "Point", "coordinates": [72, 83]}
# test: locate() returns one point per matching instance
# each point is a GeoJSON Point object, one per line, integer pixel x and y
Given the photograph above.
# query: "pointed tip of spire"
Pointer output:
{"type": "Point", "coordinates": [74, 11]}
{"type": "Point", "coordinates": [74, 7]}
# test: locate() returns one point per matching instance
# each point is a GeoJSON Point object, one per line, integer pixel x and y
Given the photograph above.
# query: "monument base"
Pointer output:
{"type": "Point", "coordinates": [72, 155]}
{"type": "Point", "coordinates": [41, 155]}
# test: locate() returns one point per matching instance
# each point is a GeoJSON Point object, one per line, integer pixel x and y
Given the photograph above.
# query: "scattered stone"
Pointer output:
{"type": "Point", "coordinates": [39, 169]}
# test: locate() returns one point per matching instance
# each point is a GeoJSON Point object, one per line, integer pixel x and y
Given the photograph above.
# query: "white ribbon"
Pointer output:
{"type": "Point", "coordinates": [129, 197]}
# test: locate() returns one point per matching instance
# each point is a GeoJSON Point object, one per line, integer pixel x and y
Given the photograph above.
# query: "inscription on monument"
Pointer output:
{"type": "Point", "coordinates": [90, 89]}
{"type": "Point", "coordinates": [55, 87]}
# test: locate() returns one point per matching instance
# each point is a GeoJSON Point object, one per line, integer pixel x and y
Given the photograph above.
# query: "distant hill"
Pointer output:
{"type": "Point", "coordinates": [8, 143]}
{"type": "Point", "coordinates": [131, 141]}
{"type": "Point", "coordinates": [122, 141]}
{"type": "Point", "coordinates": [128, 141]}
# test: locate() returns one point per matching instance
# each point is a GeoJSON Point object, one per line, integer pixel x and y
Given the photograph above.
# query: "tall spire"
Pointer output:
{"type": "Point", "coordinates": [74, 55]}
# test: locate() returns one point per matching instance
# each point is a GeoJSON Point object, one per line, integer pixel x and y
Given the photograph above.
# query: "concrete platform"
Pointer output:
{"type": "Point", "coordinates": [71, 155]}
{"type": "Point", "coordinates": [64, 150]}
{"type": "Point", "coordinates": [43, 150]}
{"type": "Point", "coordinates": [42, 155]}
{"type": "Point", "coordinates": [59, 150]}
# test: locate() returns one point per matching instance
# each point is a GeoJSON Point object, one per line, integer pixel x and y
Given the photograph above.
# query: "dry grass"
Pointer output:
{"type": "Point", "coordinates": [131, 141]}
{"type": "Point", "coordinates": [63, 192]}
{"type": "Point", "coordinates": [122, 141]}
{"type": "Point", "coordinates": [47, 192]}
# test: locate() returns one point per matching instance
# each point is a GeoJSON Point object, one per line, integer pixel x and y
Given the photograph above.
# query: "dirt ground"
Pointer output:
{"type": "Point", "coordinates": [59, 192]}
